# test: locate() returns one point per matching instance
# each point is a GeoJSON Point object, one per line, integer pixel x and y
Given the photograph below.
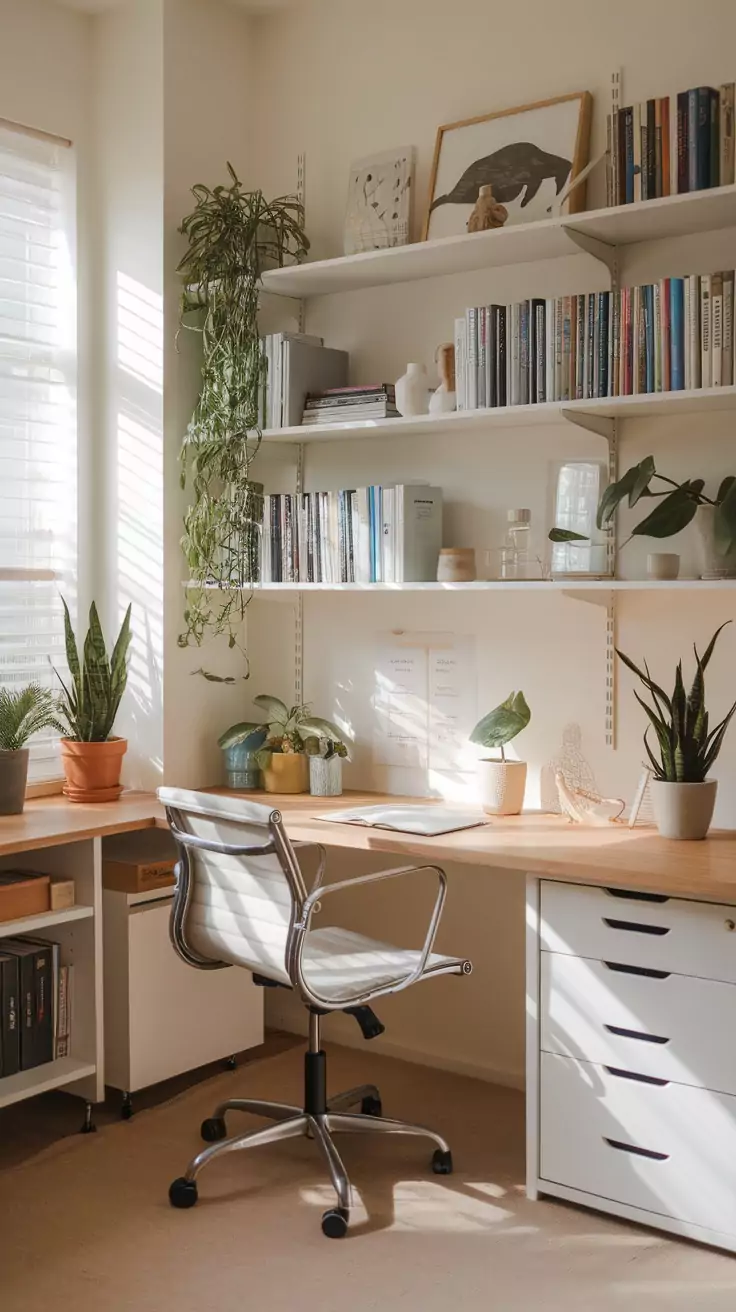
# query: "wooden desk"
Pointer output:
{"type": "Point", "coordinates": [51, 821]}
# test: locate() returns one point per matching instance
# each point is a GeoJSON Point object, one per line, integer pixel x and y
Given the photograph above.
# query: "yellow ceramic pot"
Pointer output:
{"type": "Point", "coordinates": [286, 773]}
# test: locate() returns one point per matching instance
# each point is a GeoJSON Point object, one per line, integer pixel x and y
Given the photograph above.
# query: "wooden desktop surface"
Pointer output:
{"type": "Point", "coordinates": [538, 844]}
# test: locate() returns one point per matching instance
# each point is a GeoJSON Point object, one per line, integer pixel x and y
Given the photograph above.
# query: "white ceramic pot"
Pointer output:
{"type": "Point", "coordinates": [712, 564]}
{"type": "Point", "coordinates": [502, 785]}
{"type": "Point", "coordinates": [442, 402]}
{"type": "Point", "coordinates": [683, 810]}
{"type": "Point", "coordinates": [663, 565]}
{"type": "Point", "coordinates": [325, 776]}
{"type": "Point", "coordinates": [412, 391]}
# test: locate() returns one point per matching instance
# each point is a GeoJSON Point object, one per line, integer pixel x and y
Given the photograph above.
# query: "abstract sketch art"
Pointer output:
{"type": "Point", "coordinates": [380, 201]}
{"type": "Point", "coordinates": [528, 155]}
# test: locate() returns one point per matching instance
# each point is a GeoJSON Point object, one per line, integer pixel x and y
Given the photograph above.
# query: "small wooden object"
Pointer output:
{"type": "Point", "coordinates": [139, 863]}
{"type": "Point", "coordinates": [445, 357]}
{"type": "Point", "coordinates": [23, 893]}
{"type": "Point", "coordinates": [456, 565]}
{"type": "Point", "coordinates": [62, 893]}
{"type": "Point", "coordinates": [487, 213]}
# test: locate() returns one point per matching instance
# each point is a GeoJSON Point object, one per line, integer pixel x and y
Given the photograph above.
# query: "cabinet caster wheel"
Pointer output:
{"type": "Point", "coordinates": [335, 1223]}
{"type": "Point", "coordinates": [371, 1106]}
{"type": "Point", "coordinates": [442, 1162]}
{"type": "Point", "coordinates": [213, 1129]}
{"type": "Point", "coordinates": [126, 1109]}
{"type": "Point", "coordinates": [183, 1193]}
{"type": "Point", "coordinates": [231, 1064]}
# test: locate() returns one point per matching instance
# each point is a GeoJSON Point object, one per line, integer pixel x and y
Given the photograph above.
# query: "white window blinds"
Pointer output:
{"type": "Point", "coordinates": [38, 463]}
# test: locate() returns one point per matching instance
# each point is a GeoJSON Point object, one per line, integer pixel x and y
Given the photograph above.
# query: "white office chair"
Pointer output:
{"type": "Point", "coordinates": [241, 900]}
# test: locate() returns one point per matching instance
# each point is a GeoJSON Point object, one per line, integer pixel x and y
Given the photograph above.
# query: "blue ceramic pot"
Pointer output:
{"type": "Point", "coordinates": [241, 767]}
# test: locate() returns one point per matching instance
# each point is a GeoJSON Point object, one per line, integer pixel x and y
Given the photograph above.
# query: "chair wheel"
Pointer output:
{"type": "Point", "coordinates": [213, 1129]}
{"type": "Point", "coordinates": [442, 1162]}
{"type": "Point", "coordinates": [183, 1193]}
{"type": "Point", "coordinates": [335, 1223]}
{"type": "Point", "coordinates": [371, 1106]}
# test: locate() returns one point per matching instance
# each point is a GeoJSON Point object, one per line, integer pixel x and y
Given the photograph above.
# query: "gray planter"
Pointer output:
{"type": "Point", "coordinates": [683, 811]}
{"type": "Point", "coordinates": [13, 776]}
{"type": "Point", "coordinates": [325, 776]}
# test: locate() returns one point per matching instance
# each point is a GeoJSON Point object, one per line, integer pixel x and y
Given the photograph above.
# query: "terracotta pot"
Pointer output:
{"type": "Point", "coordinates": [13, 775]}
{"type": "Point", "coordinates": [287, 773]}
{"type": "Point", "coordinates": [92, 770]}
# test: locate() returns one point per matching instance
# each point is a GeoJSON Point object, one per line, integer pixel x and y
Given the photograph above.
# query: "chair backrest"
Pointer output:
{"type": "Point", "coordinates": [239, 889]}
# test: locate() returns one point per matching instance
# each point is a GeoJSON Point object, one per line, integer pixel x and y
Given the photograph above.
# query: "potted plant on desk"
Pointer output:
{"type": "Point", "coordinates": [502, 782]}
{"type": "Point", "coordinates": [23, 712]}
{"type": "Point", "coordinates": [91, 756]}
{"type": "Point", "coordinates": [326, 756]}
{"type": "Point", "coordinates": [282, 757]}
{"type": "Point", "coordinates": [683, 797]}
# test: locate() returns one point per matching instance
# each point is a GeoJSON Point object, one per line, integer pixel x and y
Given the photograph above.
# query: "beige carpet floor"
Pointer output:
{"type": "Point", "coordinates": [86, 1225]}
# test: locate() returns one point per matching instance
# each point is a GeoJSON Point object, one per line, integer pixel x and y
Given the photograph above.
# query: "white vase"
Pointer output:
{"type": "Point", "coordinates": [502, 785]}
{"type": "Point", "coordinates": [712, 564]}
{"type": "Point", "coordinates": [325, 776]}
{"type": "Point", "coordinates": [442, 402]}
{"type": "Point", "coordinates": [412, 391]}
{"type": "Point", "coordinates": [683, 810]}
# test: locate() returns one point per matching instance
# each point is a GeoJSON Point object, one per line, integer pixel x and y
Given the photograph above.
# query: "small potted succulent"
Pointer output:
{"type": "Point", "coordinates": [282, 757]}
{"type": "Point", "coordinates": [23, 712]}
{"type": "Point", "coordinates": [240, 746]}
{"type": "Point", "coordinates": [326, 756]}
{"type": "Point", "coordinates": [502, 782]}
{"type": "Point", "coordinates": [683, 797]}
{"type": "Point", "coordinates": [91, 755]}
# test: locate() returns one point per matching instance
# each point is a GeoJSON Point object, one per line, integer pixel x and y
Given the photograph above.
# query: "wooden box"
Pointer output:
{"type": "Point", "coordinates": [139, 863]}
{"type": "Point", "coordinates": [23, 893]}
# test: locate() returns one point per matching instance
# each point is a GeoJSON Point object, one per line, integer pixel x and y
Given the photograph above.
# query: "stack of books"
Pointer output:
{"type": "Point", "coordinates": [35, 1004]}
{"type": "Point", "coordinates": [294, 365]}
{"type": "Point", "coordinates": [340, 405]}
{"type": "Point", "coordinates": [356, 535]}
{"type": "Point", "coordinates": [669, 146]}
{"type": "Point", "coordinates": [662, 337]}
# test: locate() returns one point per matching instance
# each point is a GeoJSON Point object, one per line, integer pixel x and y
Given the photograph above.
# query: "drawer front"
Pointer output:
{"type": "Point", "coordinates": [672, 1027]}
{"type": "Point", "coordinates": [690, 938]}
{"type": "Point", "coordinates": [669, 1149]}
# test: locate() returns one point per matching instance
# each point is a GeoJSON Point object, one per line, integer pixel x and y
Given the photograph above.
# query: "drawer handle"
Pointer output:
{"type": "Point", "coordinates": [635, 927]}
{"type": "Point", "coordinates": [636, 1034]}
{"type": "Point", "coordinates": [634, 1075]}
{"type": "Point", "coordinates": [637, 897]}
{"type": "Point", "coordinates": [637, 970]}
{"type": "Point", "coordinates": [637, 1152]}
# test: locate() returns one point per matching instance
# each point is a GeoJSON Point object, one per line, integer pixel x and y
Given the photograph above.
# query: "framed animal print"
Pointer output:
{"type": "Point", "coordinates": [527, 155]}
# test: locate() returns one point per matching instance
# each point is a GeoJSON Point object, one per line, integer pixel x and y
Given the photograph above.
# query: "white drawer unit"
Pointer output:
{"type": "Point", "coordinates": [689, 938]}
{"type": "Point", "coordinates": [670, 1026]}
{"type": "Point", "coordinates": [631, 1056]}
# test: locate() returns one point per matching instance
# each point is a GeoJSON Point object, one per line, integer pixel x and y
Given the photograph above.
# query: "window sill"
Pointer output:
{"type": "Point", "coordinates": [44, 788]}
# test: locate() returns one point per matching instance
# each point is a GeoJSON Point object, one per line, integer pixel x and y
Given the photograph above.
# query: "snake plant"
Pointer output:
{"type": "Point", "coordinates": [90, 703]}
{"type": "Point", "coordinates": [23, 712]}
{"type": "Point", "coordinates": [687, 746]}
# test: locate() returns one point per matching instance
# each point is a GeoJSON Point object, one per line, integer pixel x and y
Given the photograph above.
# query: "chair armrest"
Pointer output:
{"type": "Point", "coordinates": [301, 845]}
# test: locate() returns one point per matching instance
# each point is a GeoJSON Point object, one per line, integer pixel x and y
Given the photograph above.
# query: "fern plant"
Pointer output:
{"type": "Point", "coordinates": [233, 236]}
{"type": "Point", "coordinates": [24, 712]}
{"type": "Point", "coordinates": [89, 705]}
{"type": "Point", "coordinates": [687, 745]}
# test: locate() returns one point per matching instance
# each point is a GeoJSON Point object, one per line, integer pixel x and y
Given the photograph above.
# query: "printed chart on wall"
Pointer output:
{"type": "Point", "coordinates": [425, 703]}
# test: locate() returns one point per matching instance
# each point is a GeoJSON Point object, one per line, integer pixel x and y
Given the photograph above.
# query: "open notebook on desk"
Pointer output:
{"type": "Point", "coordinates": [427, 820]}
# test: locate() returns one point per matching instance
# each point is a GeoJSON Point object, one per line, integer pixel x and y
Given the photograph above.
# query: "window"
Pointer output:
{"type": "Point", "coordinates": [38, 465]}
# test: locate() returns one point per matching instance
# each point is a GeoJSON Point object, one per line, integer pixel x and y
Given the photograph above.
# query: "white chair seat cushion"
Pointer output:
{"type": "Point", "coordinates": [340, 965]}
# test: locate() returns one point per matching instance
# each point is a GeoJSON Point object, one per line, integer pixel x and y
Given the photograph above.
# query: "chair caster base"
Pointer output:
{"type": "Point", "coordinates": [371, 1106]}
{"type": "Point", "coordinates": [213, 1129]}
{"type": "Point", "coordinates": [335, 1223]}
{"type": "Point", "coordinates": [442, 1162]}
{"type": "Point", "coordinates": [183, 1192]}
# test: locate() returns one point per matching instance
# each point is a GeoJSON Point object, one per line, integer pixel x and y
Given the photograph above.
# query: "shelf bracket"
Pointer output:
{"type": "Point", "coordinates": [608, 600]}
{"type": "Point", "coordinates": [600, 424]}
{"type": "Point", "coordinates": [600, 250]}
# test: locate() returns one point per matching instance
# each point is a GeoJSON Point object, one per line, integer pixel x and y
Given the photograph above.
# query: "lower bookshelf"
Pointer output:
{"type": "Point", "coordinates": [52, 1075]}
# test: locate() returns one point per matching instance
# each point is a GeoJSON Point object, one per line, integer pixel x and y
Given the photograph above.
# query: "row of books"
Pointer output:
{"type": "Point", "coordinates": [296, 365]}
{"type": "Point", "coordinates": [667, 146]}
{"type": "Point", "coordinates": [667, 336]}
{"type": "Point", "coordinates": [338, 405]}
{"type": "Point", "coordinates": [354, 535]}
{"type": "Point", "coordinates": [35, 1004]}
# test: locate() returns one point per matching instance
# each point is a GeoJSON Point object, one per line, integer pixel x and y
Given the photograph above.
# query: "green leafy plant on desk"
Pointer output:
{"type": "Point", "coordinates": [502, 783]}
{"type": "Point", "coordinates": [23, 713]}
{"type": "Point", "coordinates": [683, 797]}
{"type": "Point", "coordinates": [284, 734]}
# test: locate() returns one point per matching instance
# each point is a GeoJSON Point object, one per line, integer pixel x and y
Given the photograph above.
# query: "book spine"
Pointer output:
{"type": "Point", "coordinates": [693, 330]}
{"type": "Point", "coordinates": [716, 330]}
{"type": "Point", "coordinates": [63, 1027]}
{"type": "Point", "coordinates": [637, 153]}
{"type": "Point", "coordinates": [629, 152]}
{"type": "Point", "coordinates": [524, 352]}
{"type": "Point", "coordinates": [615, 155]}
{"type": "Point", "coordinates": [604, 309]}
{"type": "Point", "coordinates": [714, 151]}
{"type": "Point", "coordinates": [573, 362]}
{"type": "Point", "coordinates": [596, 360]}
{"type": "Point", "coordinates": [658, 147]}
{"type": "Point", "coordinates": [589, 347]}
{"type": "Point", "coordinates": [649, 161]}
{"type": "Point", "coordinates": [705, 347]}
{"type": "Point", "coordinates": [482, 348]}
{"type": "Point", "coordinates": [692, 140]}
{"type": "Point", "coordinates": [683, 142]}
{"type": "Point", "coordinates": [540, 319]}
{"type": "Point", "coordinates": [703, 138]}
{"type": "Point", "coordinates": [726, 135]}
{"type": "Point", "coordinates": [580, 349]}
{"type": "Point", "coordinates": [665, 294]}
{"type": "Point", "coordinates": [677, 339]}
{"type": "Point", "coordinates": [501, 350]}
{"type": "Point", "coordinates": [727, 369]}
{"type": "Point", "coordinates": [609, 160]}
{"type": "Point", "coordinates": [513, 355]}
{"type": "Point", "coordinates": [460, 364]}
{"type": "Point", "coordinates": [657, 338]}
{"type": "Point", "coordinates": [648, 307]}
{"type": "Point", "coordinates": [490, 383]}
{"type": "Point", "coordinates": [471, 324]}
{"type": "Point", "coordinates": [10, 1015]}
{"type": "Point", "coordinates": [666, 146]}
{"type": "Point", "coordinates": [566, 348]}
{"type": "Point", "coordinates": [615, 385]}
{"type": "Point", "coordinates": [644, 169]}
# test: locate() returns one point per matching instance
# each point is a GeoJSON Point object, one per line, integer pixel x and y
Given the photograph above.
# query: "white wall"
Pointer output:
{"type": "Point", "coordinates": [337, 79]}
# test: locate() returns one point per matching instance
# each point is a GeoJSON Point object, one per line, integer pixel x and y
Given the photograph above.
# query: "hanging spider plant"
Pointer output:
{"type": "Point", "coordinates": [233, 236]}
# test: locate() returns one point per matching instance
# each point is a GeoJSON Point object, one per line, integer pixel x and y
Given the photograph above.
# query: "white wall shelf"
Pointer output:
{"type": "Point", "coordinates": [548, 239]}
{"type": "Point", "coordinates": [649, 405]}
{"type": "Point", "coordinates": [52, 1075]}
{"type": "Point", "coordinates": [29, 924]}
{"type": "Point", "coordinates": [568, 585]}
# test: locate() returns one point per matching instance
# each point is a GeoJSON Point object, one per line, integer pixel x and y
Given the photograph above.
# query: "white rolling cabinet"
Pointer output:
{"type": "Point", "coordinates": [163, 1017]}
{"type": "Point", "coordinates": [631, 1003]}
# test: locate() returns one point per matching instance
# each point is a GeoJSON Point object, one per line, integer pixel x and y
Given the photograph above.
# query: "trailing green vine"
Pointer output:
{"type": "Point", "coordinates": [233, 235]}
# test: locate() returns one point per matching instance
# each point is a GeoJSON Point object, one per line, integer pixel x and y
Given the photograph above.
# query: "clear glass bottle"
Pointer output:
{"type": "Point", "coordinates": [515, 557]}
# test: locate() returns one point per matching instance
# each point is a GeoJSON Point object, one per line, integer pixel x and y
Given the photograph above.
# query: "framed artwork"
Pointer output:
{"type": "Point", "coordinates": [528, 155]}
{"type": "Point", "coordinates": [379, 208]}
